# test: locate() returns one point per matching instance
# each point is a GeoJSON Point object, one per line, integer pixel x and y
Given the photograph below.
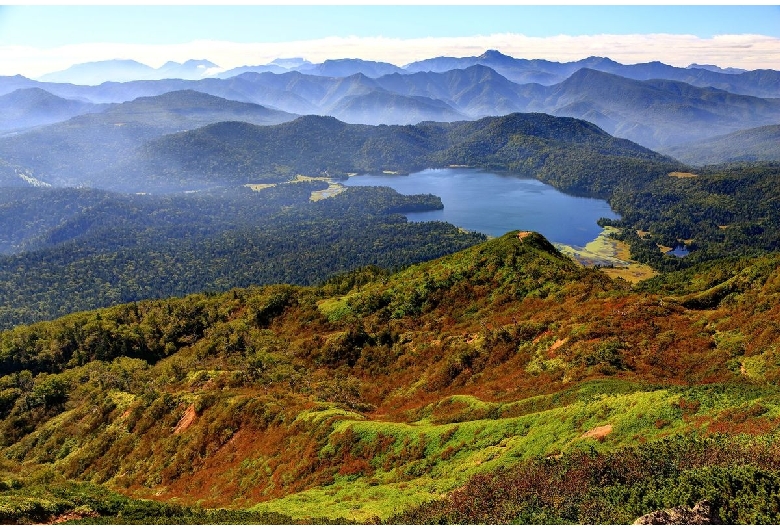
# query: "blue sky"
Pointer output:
{"type": "Point", "coordinates": [37, 39]}
{"type": "Point", "coordinates": [48, 26]}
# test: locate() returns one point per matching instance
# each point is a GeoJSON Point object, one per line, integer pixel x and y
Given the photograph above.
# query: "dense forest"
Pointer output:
{"type": "Point", "coordinates": [122, 248]}
{"type": "Point", "coordinates": [716, 212]}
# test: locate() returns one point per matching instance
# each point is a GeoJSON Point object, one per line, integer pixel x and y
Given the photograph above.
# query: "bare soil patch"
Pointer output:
{"type": "Point", "coordinates": [557, 344]}
{"type": "Point", "coordinates": [186, 420]}
{"type": "Point", "coordinates": [598, 433]}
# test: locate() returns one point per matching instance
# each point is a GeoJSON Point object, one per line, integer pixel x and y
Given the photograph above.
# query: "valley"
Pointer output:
{"type": "Point", "coordinates": [350, 292]}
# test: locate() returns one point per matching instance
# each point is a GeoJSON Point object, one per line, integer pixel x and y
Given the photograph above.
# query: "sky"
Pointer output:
{"type": "Point", "coordinates": [37, 39]}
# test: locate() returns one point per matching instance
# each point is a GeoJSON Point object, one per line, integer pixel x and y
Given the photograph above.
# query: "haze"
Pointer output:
{"type": "Point", "coordinates": [35, 40]}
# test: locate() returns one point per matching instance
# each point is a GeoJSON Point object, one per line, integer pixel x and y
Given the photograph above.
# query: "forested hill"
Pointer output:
{"type": "Point", "coordinates": [572, 154]}
{"type": "Point", "coordinates": [76, 151]}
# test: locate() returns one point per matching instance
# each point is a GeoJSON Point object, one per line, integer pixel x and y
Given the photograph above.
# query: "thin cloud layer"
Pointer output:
{"type": "Point", "coordinates": [742, 51]}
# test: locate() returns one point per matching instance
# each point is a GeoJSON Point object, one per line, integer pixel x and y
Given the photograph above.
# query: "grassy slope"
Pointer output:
{"type": "Point", "coordinates": [376, 393]}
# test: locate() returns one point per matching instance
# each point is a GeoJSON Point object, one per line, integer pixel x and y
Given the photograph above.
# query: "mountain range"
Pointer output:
{"type": "Point", "coordinates": [95, 73]}
{"type": "Point", "coordinates": [656, 105]}
{"type": "Point", "coordinates": [760, 83]}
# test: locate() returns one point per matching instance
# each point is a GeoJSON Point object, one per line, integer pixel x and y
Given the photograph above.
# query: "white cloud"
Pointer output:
{"type": "Point", "coordinates": [743, 51]}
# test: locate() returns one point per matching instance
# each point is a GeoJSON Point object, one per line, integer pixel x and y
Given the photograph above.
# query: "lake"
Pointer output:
{"type": "Point", "coordinates": [494, 204]}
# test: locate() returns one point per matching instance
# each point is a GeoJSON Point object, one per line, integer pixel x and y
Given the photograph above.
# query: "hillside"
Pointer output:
{"type": "Point", "coordinates": [375, 393]}
{"type": "Point", "coordinates": [32, 107]}
{"type": "Point", "coordinates": [93, 248]}
{"type": "Point", "coordinates": [89, 146]}
{"type": "Point", "coordinates": [190, 109]}
{"type": "Point", "coordinates": [532, 144]}
{"type": "Point", "coordinates": [751, 145]}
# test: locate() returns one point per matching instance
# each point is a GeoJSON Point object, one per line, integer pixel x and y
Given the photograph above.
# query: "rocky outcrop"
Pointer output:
{"type": "Point", "coordinates": [702, 513]}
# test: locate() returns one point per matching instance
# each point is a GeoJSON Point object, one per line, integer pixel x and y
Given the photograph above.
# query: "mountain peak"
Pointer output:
{"type": "Point", "coordinates": [494, 55]}
{"type": "Point", "coordinates": [199, 63]}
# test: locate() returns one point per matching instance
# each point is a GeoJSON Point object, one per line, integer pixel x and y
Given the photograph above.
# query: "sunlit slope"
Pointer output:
{"type": "Point", "coordinates": [374, 393]}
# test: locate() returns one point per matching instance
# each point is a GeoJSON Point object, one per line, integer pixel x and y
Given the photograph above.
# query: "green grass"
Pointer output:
{"type": "Point", "coordinates": [335, 309]}
{"type": "Point", "coordinates": [427, 460]}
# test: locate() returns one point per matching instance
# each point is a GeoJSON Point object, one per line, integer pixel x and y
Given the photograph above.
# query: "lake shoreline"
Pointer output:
{"type": "Point", "coordinates": [494, 203]}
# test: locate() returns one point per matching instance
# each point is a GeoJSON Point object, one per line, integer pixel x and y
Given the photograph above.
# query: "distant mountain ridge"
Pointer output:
{"type": "Point", "coordinates": [760, 83]}
{"type": "Point", "coordinates": [31, 107]}
{"type": "Point", "coordinates": [654, 104]}
{"type": "Point", "coordinates": [751, 145]}
{"type": "Point", "coordinates": [95, 73]}
{"type": "Point", "coordinates": [654, 113]}
{"type": "Point", "coordinates": [88, 143]}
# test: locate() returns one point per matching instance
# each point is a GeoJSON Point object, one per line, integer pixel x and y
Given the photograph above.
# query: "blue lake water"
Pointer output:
{"type": "Point", "coordinates": [679, 251]}
{"type": "Point", "coordinates": [495, 204]}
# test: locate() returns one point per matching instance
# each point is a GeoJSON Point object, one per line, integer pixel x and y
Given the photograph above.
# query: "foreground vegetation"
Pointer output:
{"type": "Point", "coordinates": [408, 397]}
{"type": "Point", "coordinates": [737, 475]}
{"type": "Point", "coordinates": [46, 499]}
